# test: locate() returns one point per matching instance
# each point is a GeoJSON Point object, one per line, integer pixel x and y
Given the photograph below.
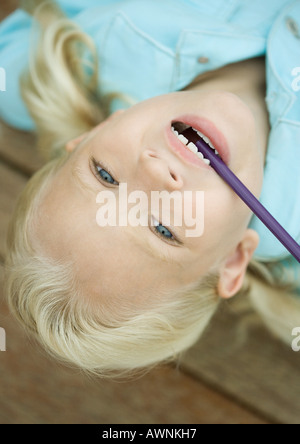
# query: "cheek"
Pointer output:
{"type": "Point", "coordinates": [191, 213]}
{"type": "Point", "coordinates": [225, 219]}
{"type": "Point", "coordinates": [252, 175]}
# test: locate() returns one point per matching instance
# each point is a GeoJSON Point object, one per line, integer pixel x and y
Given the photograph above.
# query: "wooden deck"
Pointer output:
{"type": "Point", "coordinates": [231, 376]}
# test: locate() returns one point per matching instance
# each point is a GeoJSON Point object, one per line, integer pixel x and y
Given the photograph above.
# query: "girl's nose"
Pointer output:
{"type": "Point", "coordinates": [157, 173]}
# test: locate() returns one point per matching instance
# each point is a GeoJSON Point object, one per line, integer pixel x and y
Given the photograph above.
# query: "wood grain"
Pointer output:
{"type": "Point", "coordinates": [242, 358]}
{"type": "Point", "coordinates": [37, 390]}
{"type": "Point", "coordinates": [11, 184]}
{"type": "Point", "coordinates": [18, 150]}
{"type": "Point", "coordinates": [7, 7]}
{"type": "Point", "coordinates": [232, 375]}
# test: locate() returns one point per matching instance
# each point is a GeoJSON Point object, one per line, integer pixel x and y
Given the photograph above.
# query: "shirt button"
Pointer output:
{"type": "Point", "coordinates": [203, 60]}
{"type": "Point", "coordinates": [292, 26]}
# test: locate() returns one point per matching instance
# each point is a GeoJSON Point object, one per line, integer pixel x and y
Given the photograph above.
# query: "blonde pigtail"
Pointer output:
{"type": "Point", "coordinates": [60, 88]}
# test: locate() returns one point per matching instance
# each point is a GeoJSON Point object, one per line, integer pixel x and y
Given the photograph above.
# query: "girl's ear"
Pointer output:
{"type": "Point", "coordinates": [234, 269]}
{"type": "Point", "coordinates": [75, 142]}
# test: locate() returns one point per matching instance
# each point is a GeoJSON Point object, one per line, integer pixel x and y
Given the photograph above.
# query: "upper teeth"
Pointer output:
{"type": "Point", "coordinates": [192, 147]}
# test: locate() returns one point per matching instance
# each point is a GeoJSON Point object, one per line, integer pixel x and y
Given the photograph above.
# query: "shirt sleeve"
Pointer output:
{"type": "Point", "coordinates": [15, 33]}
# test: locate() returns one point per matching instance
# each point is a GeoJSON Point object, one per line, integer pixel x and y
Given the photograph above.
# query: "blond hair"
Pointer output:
{"type": "Point", "coordinates": [44, 296]}
{"type": "Point", "coordinates": [64, 102]}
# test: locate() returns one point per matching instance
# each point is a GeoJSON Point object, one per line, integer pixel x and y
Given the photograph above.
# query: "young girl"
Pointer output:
{"type": "Point", "coordinates": [106, 89]}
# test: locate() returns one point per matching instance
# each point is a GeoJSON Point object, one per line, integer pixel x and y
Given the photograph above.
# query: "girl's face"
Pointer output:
{"type": "Point", "coordinates": [136, 147]}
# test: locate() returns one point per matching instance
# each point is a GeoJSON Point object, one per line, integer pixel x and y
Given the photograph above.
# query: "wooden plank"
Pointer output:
{"type": "Point", "coordinates": [35, 390]}
{"type": "Point", "coordinates": [7, 7]}
{"type": "Point", "coordinates": [253, 367]}
{"type": "Point", "coordinates": [11, 184]}
{"type": "Point", "coordinates": [17, 148]}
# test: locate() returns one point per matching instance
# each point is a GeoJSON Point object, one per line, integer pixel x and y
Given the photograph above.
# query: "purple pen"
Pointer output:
{"type": "Point", "coordinates": [239, 188]}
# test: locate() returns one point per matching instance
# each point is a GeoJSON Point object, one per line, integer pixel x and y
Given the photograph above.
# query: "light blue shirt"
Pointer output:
{"type": "Point", "coordinates": [147, 48]}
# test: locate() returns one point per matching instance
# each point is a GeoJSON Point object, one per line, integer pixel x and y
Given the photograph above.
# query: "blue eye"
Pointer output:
{"type": "Point", "coordinates": [162, 230]}
{"type": "Point", "coordinates": [103, 174]}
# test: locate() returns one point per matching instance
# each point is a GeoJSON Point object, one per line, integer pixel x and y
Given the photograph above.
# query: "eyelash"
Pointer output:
{"type": "Point", "coordinates": [96, 167]}
{"type": "Point", "coordinates": [171, 241]}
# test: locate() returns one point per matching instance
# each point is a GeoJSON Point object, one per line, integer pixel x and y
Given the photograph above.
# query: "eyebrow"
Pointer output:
{"type": "Point", "coordinates": [162, 254]}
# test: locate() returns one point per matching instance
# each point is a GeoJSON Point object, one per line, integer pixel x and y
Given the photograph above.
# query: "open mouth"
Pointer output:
{"type": "Point", "coordinates": [178, 128]}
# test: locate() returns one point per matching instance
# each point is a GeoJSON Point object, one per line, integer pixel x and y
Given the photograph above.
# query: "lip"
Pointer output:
{"type": "Point", "coordinates": [206, 127]}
